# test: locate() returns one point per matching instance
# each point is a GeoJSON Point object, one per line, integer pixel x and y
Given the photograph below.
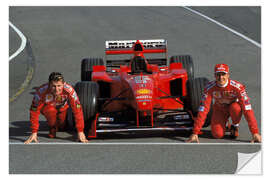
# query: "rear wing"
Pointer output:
{"type": "Point", "coordinates": [117, 63]}
{"type": "Point", "coordinates": [130, 46]}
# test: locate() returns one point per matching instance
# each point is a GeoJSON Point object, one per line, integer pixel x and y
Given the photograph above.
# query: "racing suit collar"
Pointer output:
{"type": "Point", "coordinates": [225, 85]}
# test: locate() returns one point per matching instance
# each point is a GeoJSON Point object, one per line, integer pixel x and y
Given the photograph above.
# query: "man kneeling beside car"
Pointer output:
{"type": "Point", "coordinates": [52, 100]}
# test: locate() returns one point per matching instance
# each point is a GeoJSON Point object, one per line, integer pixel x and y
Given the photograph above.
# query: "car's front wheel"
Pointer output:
{"type": "Point", "coordinates": [88, 93]}
{"type": "Point", "coordinates": [196, 89]}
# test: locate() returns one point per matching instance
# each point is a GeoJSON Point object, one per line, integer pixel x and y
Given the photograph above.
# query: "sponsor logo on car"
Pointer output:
{"type": "Point", "coordinates": [185, 116]}
{"type": "Point", "coordinates": [105, 119]}
{"type": "Point", "coordinates": [141, 79]}
{"type": "Point", "coordinates": [143, 97]}
{"type": "Point", "coordinates": [143, 91]}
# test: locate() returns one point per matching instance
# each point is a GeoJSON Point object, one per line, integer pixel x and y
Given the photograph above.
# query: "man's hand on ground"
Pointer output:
{"type": "Point", "coordinates": [193, 138]}
{"type": "Point", "coordinates": [33, 137]}
{"type": "Point", "coordinates": [81, 137]}
{"type": "Point", "coordinates": [256, 138]}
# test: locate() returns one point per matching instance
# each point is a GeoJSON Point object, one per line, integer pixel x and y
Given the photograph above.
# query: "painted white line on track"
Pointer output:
{"type": "Point", "coordinates": [23, 42]}
{"type": "Point", "coordinates": [225, 27]}
{"type": "Point", "coordinates": [128, 143]}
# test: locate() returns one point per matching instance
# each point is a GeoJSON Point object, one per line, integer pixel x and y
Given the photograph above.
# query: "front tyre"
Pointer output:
{"type": "Point", "coordinates": [196, 89]}
{"type": "Point", "coordinates": [88, 93]}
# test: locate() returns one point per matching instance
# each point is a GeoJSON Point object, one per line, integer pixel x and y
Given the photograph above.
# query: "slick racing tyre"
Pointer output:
{"type": "Point", "coordinates": [196, 89]}
{"type": "Point", "coordinates": [88, 92]}
{"type": "Point", "coordinates": [187, 63]}
{"type": "Point", "coordinates": [87, 67]}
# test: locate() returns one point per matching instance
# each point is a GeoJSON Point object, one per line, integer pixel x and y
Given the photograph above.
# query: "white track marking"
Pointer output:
{"type": "Point", "coordinates": [225, 27]}
{"type": "Point", "coordinates": [23, 42]}
{"type": "Point", "coordinates": [128, 143]}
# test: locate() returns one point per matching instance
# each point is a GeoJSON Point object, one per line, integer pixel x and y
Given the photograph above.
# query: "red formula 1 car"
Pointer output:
{"type": "Point", "coordinates": [139, 92]}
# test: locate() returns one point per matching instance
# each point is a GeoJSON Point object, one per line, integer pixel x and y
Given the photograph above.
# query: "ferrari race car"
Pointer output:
{"type": "Point", "coordinates": [139, 92]}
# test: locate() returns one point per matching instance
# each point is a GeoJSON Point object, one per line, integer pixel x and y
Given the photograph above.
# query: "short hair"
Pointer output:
{"type": "Point", "coordinates": [56, 76]}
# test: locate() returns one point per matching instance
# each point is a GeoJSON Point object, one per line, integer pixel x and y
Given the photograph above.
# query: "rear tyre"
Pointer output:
{"type": "Point", "coordinates": [187, 63]}
{"type": "Point", "coordinates": [87, 67]}
{"type": "Point", "coordinates": [88, 92]}
{"type": "Point", "coordinates": [196, 89]}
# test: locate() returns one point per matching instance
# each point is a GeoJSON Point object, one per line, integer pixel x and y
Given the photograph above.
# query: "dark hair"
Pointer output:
{"type": "Point", "coordinates": [56, 76]}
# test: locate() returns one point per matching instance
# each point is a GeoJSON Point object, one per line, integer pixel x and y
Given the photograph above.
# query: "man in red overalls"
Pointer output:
{"type": "Point", "coordinates": [52, 100]}
{"type": "Point", "coordinates": [230, 100]}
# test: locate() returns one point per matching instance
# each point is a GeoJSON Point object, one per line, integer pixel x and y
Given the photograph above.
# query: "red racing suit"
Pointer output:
{"type": "Point", "coordinates": [230, 100]}
{"type": "Point", "coordinates": [55, 108]}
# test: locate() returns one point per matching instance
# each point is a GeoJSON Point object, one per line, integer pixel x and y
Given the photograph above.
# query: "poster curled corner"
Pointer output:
{"type": "Point", "coordinates": [249, 163]}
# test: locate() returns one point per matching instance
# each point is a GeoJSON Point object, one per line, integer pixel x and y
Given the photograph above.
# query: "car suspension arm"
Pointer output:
{"type": "Point", "coordinates": [168, 96]}
{"type": "Point", "coordinates": [114, 98]}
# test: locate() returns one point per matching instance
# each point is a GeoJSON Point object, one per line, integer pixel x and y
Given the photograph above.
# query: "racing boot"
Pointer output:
{"type": "Point", "coordinates": [234, 130]}
{"type": "Point", "coordinates": [52, 132]}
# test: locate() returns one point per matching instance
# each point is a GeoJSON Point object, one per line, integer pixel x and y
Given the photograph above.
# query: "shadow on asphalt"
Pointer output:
{"type": "Point", "coordinates": [21, 131]}
{"type": "Point", "coordinates": [208, 135]}
{"type": "Point", "coordinates": [177, 136]}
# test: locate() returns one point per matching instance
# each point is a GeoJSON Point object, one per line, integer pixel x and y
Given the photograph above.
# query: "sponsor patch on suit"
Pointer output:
{"type": "Point", "coordinates": [49, 98]}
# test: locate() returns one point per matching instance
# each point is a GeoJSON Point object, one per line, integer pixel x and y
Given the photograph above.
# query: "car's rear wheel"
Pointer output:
{"type": "Point", "coordinates": [187, 63]}
{"type": "Point", "coordinates": [196, 89]}
{"type": "Point", "coordinates": [88, 93]}
{"type": "Point", "coordinates": [87, 67]}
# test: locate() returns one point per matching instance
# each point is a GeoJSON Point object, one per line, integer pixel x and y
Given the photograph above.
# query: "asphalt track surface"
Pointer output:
{"type": "Point", "coordinates": [61, 36]}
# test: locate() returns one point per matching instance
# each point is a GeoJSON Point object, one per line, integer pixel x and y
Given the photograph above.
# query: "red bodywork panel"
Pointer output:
{"type": "Point", "coordinates": [145, 90]}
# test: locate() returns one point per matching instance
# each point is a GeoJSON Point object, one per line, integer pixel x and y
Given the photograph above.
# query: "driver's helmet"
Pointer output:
{"type": "Point", "coordinates": [138, 64]}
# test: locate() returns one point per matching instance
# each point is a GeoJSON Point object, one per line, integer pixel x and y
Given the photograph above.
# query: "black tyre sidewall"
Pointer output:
{"type": "Point", "coordinates": [87, 67]}
{"type": "Point", "coordinates": [187, 63]}
{"type": "Point", "coordinates": [196, 89]}
{"type": "Point", "coordinates": [88, 93]}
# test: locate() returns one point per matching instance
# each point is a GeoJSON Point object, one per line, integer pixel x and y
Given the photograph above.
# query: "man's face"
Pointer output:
{"type": "Point", "coordinates": [57, 87]}
{"type": "Point", "coordinates": [221, 78]}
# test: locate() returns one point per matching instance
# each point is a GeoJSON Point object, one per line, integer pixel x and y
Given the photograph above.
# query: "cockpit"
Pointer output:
{"type": "Point", "coordinates": [138, 65]}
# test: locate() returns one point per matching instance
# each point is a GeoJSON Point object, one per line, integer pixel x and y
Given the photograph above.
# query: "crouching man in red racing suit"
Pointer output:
{"type": "Point", "coordinates": [51, 99]}
{"type": "Point", "coordinates": [230, 100]}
